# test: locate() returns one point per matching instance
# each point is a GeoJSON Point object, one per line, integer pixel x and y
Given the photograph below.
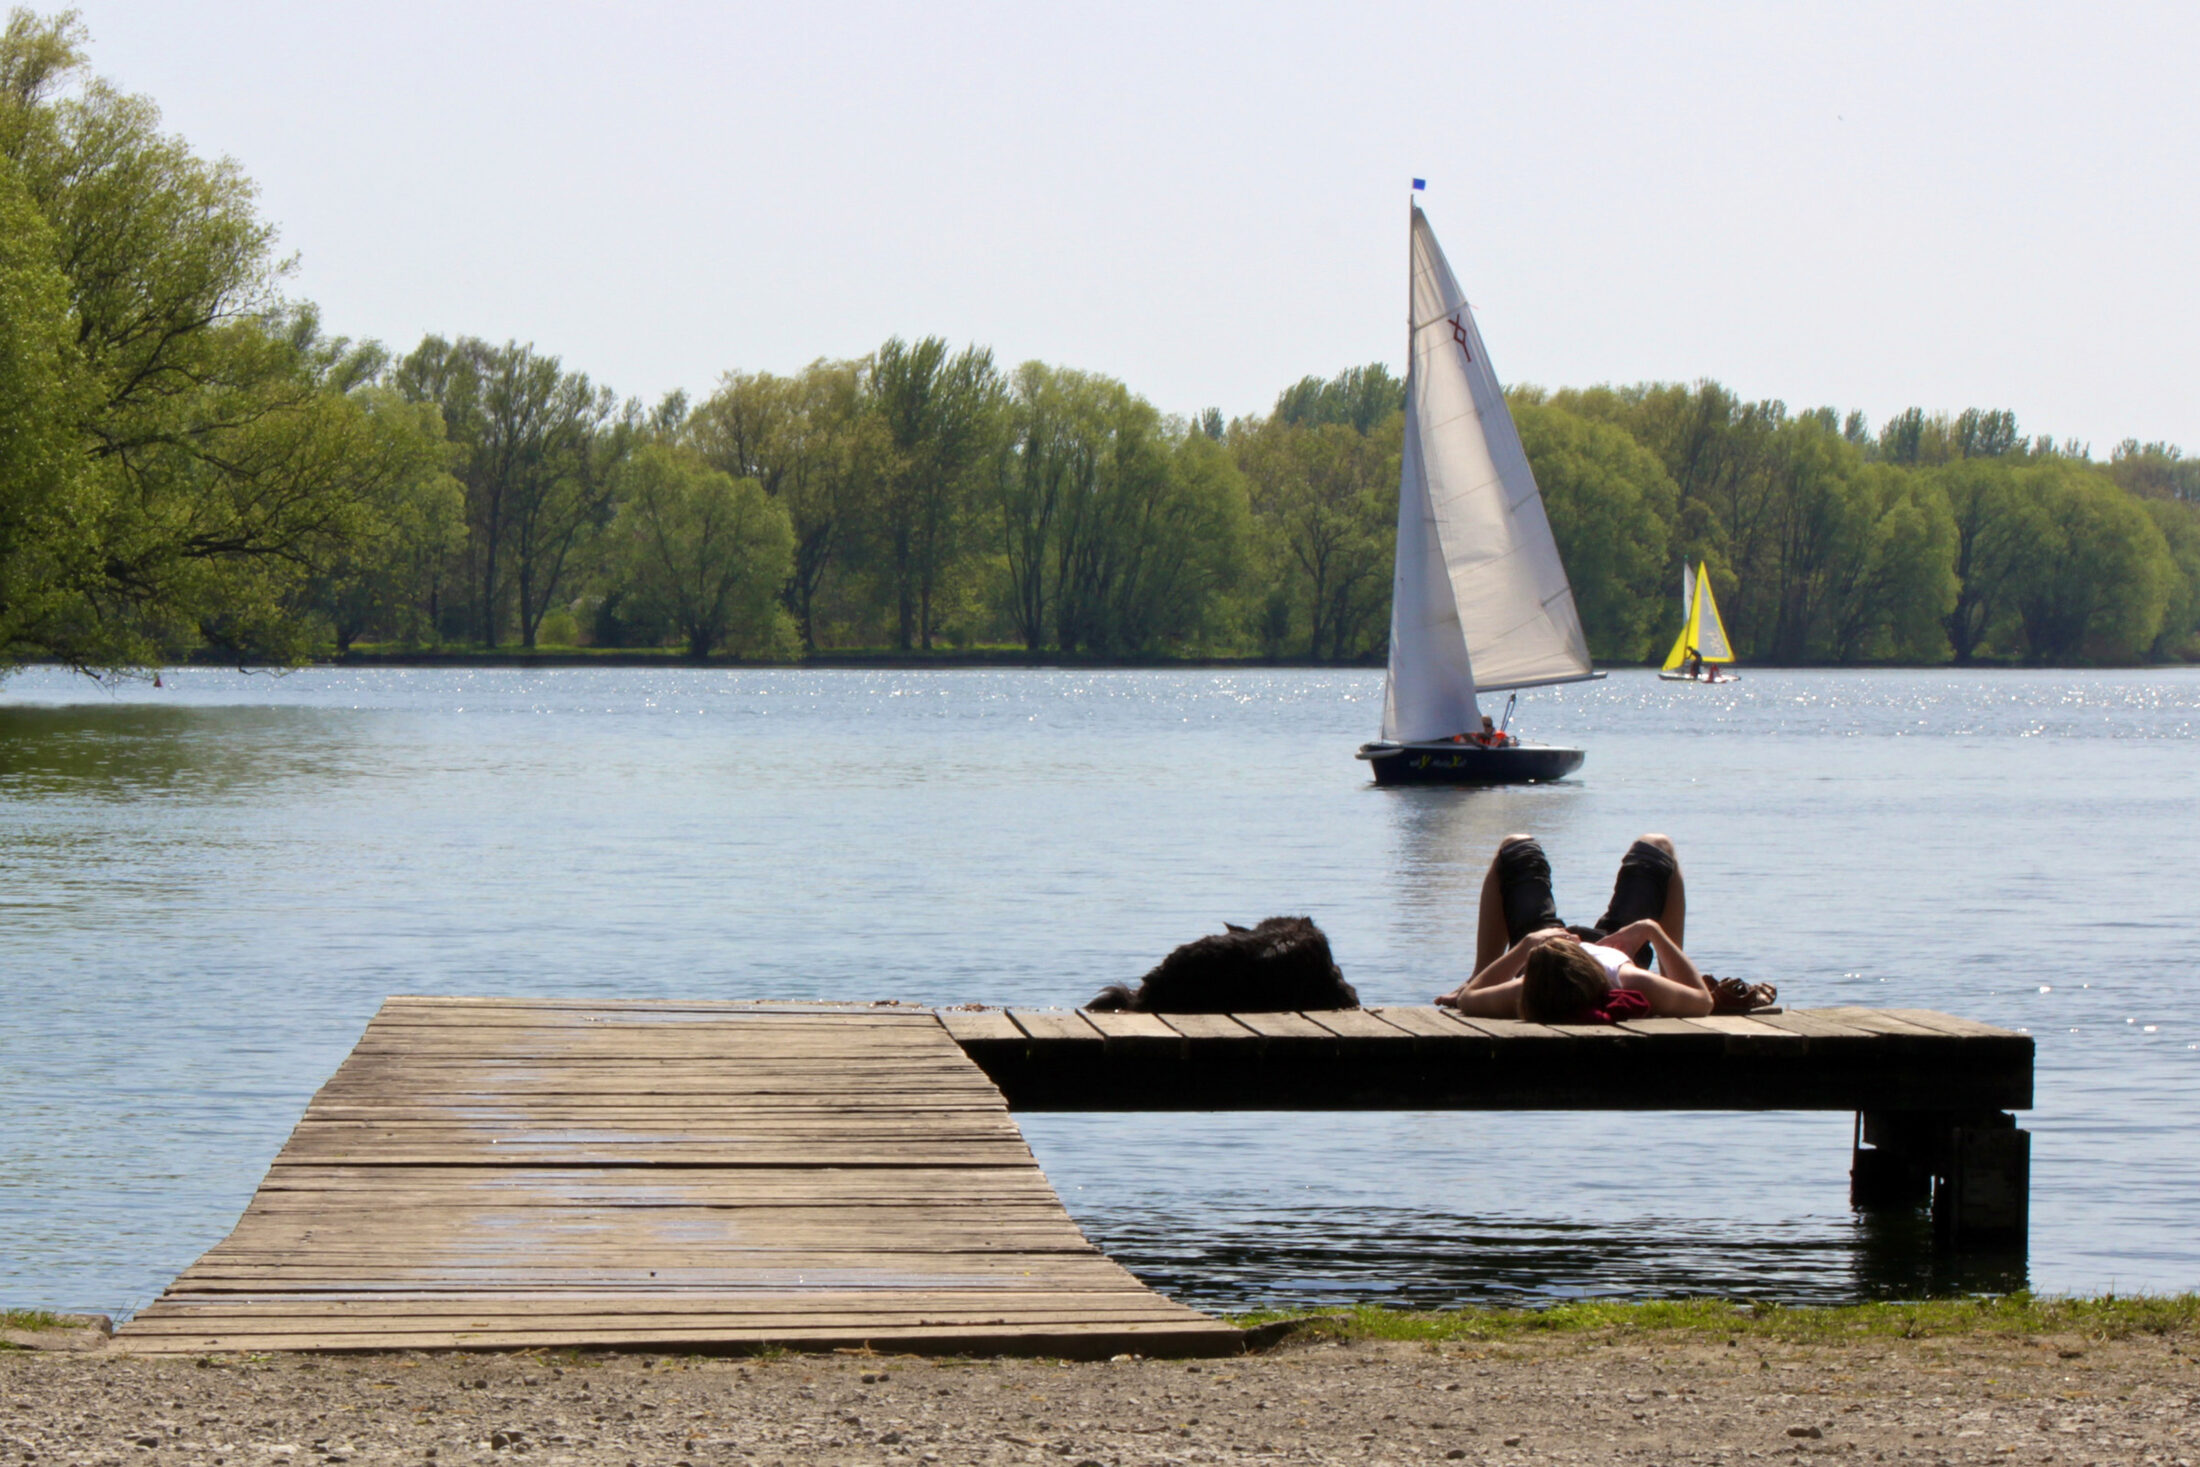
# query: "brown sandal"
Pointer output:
{"type": "Point", "coordinates": [1733, 996]}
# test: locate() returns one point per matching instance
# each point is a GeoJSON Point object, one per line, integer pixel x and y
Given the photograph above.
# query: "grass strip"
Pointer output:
{"type": "Point", "coordinates": [2108, 1317]}
{"type": "Point", "coordinates": [31, 1319]}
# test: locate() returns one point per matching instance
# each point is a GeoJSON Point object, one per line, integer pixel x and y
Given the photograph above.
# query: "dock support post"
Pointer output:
{"type": "Point", "coordinates": [1974, 1166]}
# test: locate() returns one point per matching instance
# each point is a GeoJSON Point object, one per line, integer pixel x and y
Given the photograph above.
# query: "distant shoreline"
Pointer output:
{"type": "Point", "coordinates": [636, 657]}
{"type": "Point", "coordinates": [1014, 660]}
{"type": "Point", "coordinates": [1009, 658]}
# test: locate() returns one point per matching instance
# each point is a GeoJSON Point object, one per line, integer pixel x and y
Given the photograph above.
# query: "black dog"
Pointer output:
{"type": "Point", "coordinates": [1282, 964]}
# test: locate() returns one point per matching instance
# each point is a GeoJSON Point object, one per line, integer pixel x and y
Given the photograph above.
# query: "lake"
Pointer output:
{"type": "Point", "coordinates": [207, 888]}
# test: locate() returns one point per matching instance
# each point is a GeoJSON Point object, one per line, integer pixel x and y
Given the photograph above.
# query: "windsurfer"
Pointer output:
{"type": "Point", "coordinates": [1529, 966]}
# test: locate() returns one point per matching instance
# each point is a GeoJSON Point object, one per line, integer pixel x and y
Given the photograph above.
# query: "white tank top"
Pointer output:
{"type": "Point", "coordinates": [1611, 959]}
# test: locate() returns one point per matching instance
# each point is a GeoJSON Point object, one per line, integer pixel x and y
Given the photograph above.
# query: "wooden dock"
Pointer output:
{"type": "Point", "coordinates": [495, 1173]}
{"type": "Point", "coordinates": [1931, 1092]}
{"type": "Point", "coordinates": [1863, 1060]}
{"type": "Point", "coordinates": [500, 1174]}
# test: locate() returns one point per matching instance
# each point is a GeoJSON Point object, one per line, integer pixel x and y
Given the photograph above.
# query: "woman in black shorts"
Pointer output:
{"type": "Point", "coordinates": [1530, 966]}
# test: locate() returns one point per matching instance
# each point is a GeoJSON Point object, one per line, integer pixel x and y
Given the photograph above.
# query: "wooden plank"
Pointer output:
{"type": "Point", "coordinates": [1812, 1024]}
{"type": "Point", "coordinates": [1057, 1026]}
{"type": "Point", "coordinates": [967, 1026]}
{"type": "Point", "coordinates": [1362, 1026]}
{"type": "Point", "coordinates": [1664, 1028]}
{"type": "Point", "coordinates": [600, 1185]}
{"type": "Point", "coordinates": [1509, 1030]}
{"type": "Point", "coordinates": [1207, 1029]}
{"type": "Point", "coordinates": [1123, 1292]}
{"type": "Point", "coordinates": [1288, 1026]}
{"type": "Point", "coordinates": [1437, 1036]}
{"type": "Point", "coordinates": [1425, 1020]}
{"type": "Point", "coordinates": [735, 1313]}
{"type": "Point", "coordinates": [1745, 1036]}
{"type": "Point", "coordinates": [1176, 1336]}
{"type": "Point", "coordinates": [847, 1268]}
{"type": "Point", "coordinates": [1877, 1021]}
{"type": "Point", "coordinates": [1138, 1036]}
{"type": "Point", "coordinates": [1951, 1024]}
{"type": "Point", "coordinates": [368, 1333]}
{"type": "Point", "coordinates": [551, 1010]}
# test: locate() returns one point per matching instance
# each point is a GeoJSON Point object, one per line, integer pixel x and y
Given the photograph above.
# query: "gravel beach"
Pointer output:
{"type": "Point", "coordinates": [1681, 1398]}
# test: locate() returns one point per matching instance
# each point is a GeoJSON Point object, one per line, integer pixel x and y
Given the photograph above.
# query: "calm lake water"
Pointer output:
{"type": "Point", "coordinates": [207, 889]}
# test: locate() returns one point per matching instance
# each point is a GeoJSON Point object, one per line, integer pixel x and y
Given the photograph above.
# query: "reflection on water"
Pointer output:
{"type": "Point", "coordinates": [206, 890]}
{"type": "Point", "coordinates": [1432, 1209]}
{"type": "Point", "coordinates": [1417, 1260]}
{"type": "Point", "coordinates": [128, 752]}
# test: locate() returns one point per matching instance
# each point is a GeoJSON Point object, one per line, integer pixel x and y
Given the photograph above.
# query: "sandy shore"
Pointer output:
{"type": "Point", "coordinates": [1681, 1397]}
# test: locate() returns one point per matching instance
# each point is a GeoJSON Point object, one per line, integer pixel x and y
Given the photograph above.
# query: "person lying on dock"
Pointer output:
{"type": "Point", "coordinates": [1529, 966]}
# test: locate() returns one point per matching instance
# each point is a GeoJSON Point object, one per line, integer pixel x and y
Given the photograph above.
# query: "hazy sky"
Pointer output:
{"type": "Point", "coordinates": [1864, 205]}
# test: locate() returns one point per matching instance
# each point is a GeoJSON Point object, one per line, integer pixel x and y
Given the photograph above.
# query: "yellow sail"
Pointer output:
{"type": "Point", "coordinates": [1702, 633]}
{"type": "Point", "coordinates": [1709, 631]}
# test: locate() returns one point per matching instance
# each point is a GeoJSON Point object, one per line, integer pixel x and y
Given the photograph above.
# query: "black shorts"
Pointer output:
{"type": "Point", "coordinates": [1524, 884]}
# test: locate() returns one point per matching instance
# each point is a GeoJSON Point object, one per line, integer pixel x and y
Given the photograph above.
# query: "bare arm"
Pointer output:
{"type": "Point", "coordinates": [1678, 989]}
{"type": "Point", "coordinates": [1498, 1001]}
{"type": "Point", "coordinates": [1668, 999]}
{"type": "Point", "coordinates": [1672, 962]}
{"type": "Point", "coordinates": [1503, 970]}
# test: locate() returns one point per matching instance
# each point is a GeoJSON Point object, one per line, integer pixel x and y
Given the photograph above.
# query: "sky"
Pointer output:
{"type": "Point", "coordinates": [1864, 205]}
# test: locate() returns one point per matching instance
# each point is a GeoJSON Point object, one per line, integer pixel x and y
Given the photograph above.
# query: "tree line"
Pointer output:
{"type": "Point", "coordinates": [190, 465]}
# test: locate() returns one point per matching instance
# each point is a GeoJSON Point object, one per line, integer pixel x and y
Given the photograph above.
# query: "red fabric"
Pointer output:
{"type": "Point", "coordinates": [1620, 1005]}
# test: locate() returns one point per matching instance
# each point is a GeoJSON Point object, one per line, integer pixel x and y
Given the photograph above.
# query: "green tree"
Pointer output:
{"type": "Point", "coordinates": [537, 446]}
{"type": "Point", "coordinates": [206, 480]}
{"type": "Point", "coordinates": [1361, 398]}
{"type": "Point", "coordinates": [1890, 578]}
{"type": "Point", "coordinates": [1120, 532]}
{"type": "Point", "coordinates": [43, 473]}
{"type": "Point", "coordinates": [1049, 458]}
{"type": "Point", "coordinates": [941, 413]}
{"type": "Point", "coordinates": [391, 576]}
{"type": "Point", "coordinates": [817, 447]}
{"type": "Point", "coordinates": [2155, 471]}
{"type": "Point", "coordinates": [708, 551]}
{"type": "Point", "coordinates": [2094, 574]}
{"type": "Point", "coordinates": [1986, 514]}
{"type": "Point", "coordinates": [1914, 438]}
{"type": "Point", "coordinates": [1325, 503]}
{"type": "Point", "coordinates": [2179, 522]}
{"type": "Point", "coordinates": [1610, 503]}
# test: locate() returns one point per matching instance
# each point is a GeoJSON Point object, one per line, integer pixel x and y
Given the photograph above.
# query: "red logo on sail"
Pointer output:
{"type": "Point", "coordinates": [1459, 334]}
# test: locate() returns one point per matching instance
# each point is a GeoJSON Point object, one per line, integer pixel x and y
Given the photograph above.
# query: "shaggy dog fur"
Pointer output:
{"type": "Point", "coordinates": [1282, 964]}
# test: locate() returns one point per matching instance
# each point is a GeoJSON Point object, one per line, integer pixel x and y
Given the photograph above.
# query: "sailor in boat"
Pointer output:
{"type": "Point", "coordinates": [1530, 966]}
{"type": "Point", "coordinates": [1489, 736]}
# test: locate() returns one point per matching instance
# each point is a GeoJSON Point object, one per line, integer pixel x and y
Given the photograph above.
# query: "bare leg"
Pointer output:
{"type": "Point", "coordinates": [1490, 938]}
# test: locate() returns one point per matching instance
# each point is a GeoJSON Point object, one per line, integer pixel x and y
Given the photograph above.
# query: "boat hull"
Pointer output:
{"type": "Point", "coordinates": [1683, 677]}
{"type": "Point", "coordinates": [1467, 764]}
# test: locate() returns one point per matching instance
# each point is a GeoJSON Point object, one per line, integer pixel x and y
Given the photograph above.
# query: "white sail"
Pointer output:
{"type": "Point", "coordinates": [1480, 600]}
{"type": "Point", "coordinates": [1688, 593]}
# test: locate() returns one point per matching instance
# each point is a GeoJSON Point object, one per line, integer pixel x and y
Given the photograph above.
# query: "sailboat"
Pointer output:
{"type": "Point", "coordinates": [1480, 602]}
{"type": "Point", "coordinates": [1702, 644]}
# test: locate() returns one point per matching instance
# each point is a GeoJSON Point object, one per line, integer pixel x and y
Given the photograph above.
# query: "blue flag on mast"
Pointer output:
{"type": "Point", "coordinates": [1420, 184]}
